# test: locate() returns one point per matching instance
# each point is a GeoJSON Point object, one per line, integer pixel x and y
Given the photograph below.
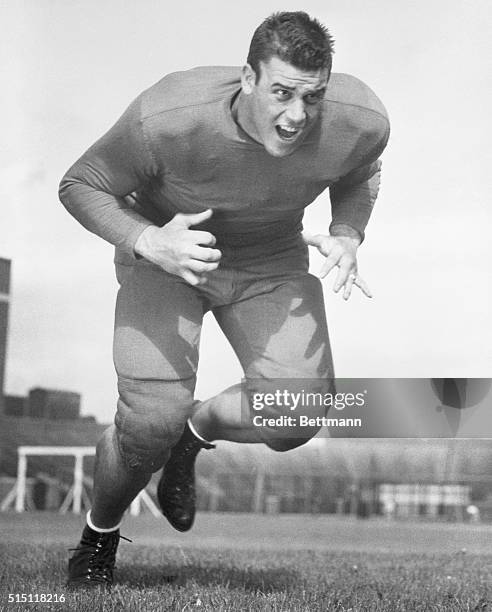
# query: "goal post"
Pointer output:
{"type": "Point", "coordinates": [75, 492]}
{"type": "Point", "coordinates": [76, 495]}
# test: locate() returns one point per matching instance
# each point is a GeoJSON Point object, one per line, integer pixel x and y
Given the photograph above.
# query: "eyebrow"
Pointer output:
{"type": "Point", "coordinates": [283, 86]}
{"type": "Point", "coordinates": [289, 88]}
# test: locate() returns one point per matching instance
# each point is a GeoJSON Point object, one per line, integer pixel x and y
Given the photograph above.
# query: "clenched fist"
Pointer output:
{"type": "Point", "coordinates": [180, 250]}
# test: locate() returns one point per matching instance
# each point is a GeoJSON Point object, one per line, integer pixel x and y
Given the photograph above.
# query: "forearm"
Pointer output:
{"type": "Point", "coordinates": [353, 200]}
{"type": "Point", "coordinates": [94, 188]}
{"type": "Point", "coordinates": [105, 215]}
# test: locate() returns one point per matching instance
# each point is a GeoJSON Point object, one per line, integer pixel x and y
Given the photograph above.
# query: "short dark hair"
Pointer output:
{"type": "Point", "coordinates": [293, 37]}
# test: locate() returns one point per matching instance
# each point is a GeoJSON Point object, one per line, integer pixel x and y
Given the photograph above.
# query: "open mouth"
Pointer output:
{"type": "Point", "coordinates": [287, 133]}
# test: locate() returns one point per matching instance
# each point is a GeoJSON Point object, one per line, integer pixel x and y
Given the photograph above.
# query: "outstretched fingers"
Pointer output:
{"type": "Point", "coordinates": [363, 286]}
{"type": "Point", "coordinates": [354, 279]}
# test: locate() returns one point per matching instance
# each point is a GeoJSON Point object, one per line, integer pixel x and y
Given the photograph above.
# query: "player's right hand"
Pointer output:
{"type": "Point", "coordinates": [180, 250]}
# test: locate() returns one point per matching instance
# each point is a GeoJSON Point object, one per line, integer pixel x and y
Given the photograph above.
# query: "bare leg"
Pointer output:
{"type": "Point", "coordinates": [220, 418]}
{"type": "Point", "coordinates": [115, 486]}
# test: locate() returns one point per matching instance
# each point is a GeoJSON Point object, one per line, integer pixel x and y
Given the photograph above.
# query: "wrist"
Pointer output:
{"type": "Point", "coordinates": [142, 243]}
{"type": "Point", "coordinates": [341, 230]}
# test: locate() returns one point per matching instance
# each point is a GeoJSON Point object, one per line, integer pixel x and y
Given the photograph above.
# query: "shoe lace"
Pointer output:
{"type": "Point", "coordinates": [101, 561]}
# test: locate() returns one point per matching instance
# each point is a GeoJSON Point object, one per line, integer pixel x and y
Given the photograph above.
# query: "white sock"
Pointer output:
{"type": "Point", "coordinates": [99, 529]}
{"type": "Point", "coordinates": [196, 434]}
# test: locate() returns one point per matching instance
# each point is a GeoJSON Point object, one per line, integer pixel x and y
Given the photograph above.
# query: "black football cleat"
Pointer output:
{"type": "Point", "coordinates": [93, 561]}
{"type": "Point", "coordinates": [176, 489]}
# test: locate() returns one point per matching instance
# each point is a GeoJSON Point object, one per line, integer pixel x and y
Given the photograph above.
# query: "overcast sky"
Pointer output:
{"type": "Point", "coordinates": [69, 69]}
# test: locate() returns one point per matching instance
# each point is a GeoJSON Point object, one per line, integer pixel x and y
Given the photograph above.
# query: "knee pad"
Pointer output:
{"type": "Point", "coordinates": [280, 441]}
{"type": "Point", "coordinates": [286, 413]}
{"type": "Point", "coordinates": [149, 421]}
{"type": "Point", "coordinates": [281, 445]}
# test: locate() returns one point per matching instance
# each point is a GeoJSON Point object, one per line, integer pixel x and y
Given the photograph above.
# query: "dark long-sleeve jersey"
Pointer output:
{"type": "Point", "coordinates": [177, 149]}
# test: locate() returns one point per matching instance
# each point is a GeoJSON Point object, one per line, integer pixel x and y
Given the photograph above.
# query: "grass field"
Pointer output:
{"type": "Point", "coordinates": [233, 562]}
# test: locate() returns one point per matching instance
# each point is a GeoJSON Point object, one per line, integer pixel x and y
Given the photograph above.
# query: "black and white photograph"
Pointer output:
{"type": "Point", "coordinates": [245, 297]}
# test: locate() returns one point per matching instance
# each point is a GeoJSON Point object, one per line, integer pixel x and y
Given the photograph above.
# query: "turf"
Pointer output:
{"type": "Point", "coordinates": [290, 563]}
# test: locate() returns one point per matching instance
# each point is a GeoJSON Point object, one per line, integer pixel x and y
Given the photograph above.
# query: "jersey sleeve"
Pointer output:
{"type": "Point", "coordinates": [353, 195]}
{"type": "Point", "coordinates": [93, 190]}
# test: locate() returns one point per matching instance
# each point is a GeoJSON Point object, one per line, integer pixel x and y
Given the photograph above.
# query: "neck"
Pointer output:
{"type": "Point", "coordinates": [240, 114]}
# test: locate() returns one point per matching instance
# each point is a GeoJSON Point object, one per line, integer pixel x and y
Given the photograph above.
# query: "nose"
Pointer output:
{"type": "Point", "coordinates": [296, 112]}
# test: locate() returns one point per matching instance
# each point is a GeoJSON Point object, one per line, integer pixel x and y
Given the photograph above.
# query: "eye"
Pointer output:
{"type": "Point", "coordinates": [282, 94]}
{"type": "Point", "coordinates": [314, 98]}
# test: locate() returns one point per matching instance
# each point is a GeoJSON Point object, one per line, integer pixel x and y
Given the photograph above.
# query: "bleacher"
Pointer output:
{"type": "Point", "coordinates": [327, 476]}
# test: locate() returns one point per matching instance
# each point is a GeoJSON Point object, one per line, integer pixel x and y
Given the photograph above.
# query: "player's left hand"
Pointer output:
{"type": "Point", "coordinates": [341, 252]}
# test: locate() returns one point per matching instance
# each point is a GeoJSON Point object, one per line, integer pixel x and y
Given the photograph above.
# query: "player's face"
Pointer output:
{"type": "Point", "coordinates": [283, 104]}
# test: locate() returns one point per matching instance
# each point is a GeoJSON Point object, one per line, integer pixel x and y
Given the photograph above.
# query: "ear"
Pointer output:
{"type": "Point", "coordinates": [248, 79]}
